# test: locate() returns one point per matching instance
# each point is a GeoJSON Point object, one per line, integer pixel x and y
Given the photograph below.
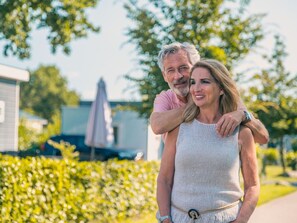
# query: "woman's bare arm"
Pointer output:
{"type": "Point", "coordinates": [250, 175]}
{"type": "Point", "coordinates": [166, 174]}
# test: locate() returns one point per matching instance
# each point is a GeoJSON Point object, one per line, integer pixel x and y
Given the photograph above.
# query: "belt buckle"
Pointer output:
{"type": "Point", "coordinates": [193, 214]}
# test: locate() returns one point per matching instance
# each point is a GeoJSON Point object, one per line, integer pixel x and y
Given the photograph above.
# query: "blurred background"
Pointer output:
{"type": "Point", "coordinates": [54, 53]}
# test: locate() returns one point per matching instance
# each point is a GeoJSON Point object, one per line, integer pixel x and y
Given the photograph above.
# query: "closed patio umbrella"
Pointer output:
{"type": "Point", "coordinates": [99, 131]}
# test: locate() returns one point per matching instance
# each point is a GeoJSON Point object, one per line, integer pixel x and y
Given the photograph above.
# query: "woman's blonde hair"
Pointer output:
{"type": "Point", "coordinates": [228, 101]}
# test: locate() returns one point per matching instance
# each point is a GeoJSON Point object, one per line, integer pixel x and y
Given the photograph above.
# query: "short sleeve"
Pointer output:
{"type": "Point", "coordinates": [162, 102]}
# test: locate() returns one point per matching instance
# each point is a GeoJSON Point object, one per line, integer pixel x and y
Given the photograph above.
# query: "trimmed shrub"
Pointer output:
{"type": "Point", "coordinates": [270, 155]}
{"type": "Point", "coordinates": [291, 160]}
{"type": "Point", "coordinates": [46, 190]}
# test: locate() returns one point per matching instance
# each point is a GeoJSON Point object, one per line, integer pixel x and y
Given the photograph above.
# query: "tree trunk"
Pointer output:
{"type": "Point", "coordinates": [282, 156]}
{"type": "Point", "coordinates": [264, 164]}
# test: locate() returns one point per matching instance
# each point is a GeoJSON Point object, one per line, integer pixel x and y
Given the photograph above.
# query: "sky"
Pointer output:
{"type": "Point", "coordinates": [106, 55]}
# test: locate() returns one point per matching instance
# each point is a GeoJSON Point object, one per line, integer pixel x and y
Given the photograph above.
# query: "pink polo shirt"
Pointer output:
{"type": "Point", "coordinates": [167, 100]}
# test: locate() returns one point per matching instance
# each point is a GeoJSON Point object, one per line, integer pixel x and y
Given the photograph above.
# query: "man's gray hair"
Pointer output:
{"type": "Point", "coordinates": [172, 48]}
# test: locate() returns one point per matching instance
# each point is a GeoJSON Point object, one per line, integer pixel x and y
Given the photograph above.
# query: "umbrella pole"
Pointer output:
{"type": "Point", "coordinates": [92, 153]}
{"type": "Point", "coordinates": [92, 158]}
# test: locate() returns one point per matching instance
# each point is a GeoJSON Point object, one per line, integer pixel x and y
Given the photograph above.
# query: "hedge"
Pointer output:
{"type": "Point", "coordinates": [47, 190]}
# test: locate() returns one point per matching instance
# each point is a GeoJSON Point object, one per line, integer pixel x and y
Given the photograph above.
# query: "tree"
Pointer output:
{"type": "Point", "coordinates": [65, 19]}
{"type": "Point", "coordinates": [46, 92]}
{"type": "Point", "coordinates": [218, 31]}
{"type": "Point", "coordinates": [27, 137]}
{"type": "Point", "coordinates": [273, 98]}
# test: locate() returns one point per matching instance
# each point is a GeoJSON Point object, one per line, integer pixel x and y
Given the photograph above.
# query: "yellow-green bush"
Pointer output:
{"type": "Point", "coordinates": [291, 159]}
{"type": "Point", "coordinates": [46, 190]}
{"type": "Point", "coordinates": [270, 155]}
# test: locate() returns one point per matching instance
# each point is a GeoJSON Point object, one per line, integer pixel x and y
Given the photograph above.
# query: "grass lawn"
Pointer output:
{"type": "Point", "coordinates": [273, 174]}
{"type": "Point", "coordinates": [269, 190]}
{"type": "Point", "coordinates": [268, 193]}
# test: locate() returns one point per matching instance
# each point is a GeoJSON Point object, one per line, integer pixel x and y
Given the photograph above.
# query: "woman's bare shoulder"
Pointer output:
{"type": "Point", "coordinates": [172, 135]}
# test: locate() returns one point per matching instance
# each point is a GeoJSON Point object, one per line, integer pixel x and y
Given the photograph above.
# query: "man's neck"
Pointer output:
{"type": "Point", "coordinates": [183, 99]}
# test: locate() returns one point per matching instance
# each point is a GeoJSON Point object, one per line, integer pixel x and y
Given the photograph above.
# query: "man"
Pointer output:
{"type": "Point", "coordinates": [175, 61]}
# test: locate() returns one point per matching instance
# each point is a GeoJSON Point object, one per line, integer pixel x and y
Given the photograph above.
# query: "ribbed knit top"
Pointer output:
{"type": "Point", "coordinates": [206, 168]}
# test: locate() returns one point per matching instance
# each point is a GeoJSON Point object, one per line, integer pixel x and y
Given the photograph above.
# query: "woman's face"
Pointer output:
{"type": "Point", "coordinates": [204, 89]}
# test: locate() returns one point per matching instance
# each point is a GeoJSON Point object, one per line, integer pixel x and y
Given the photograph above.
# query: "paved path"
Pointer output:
{"type": "Point", "coordinates": [281, 210]}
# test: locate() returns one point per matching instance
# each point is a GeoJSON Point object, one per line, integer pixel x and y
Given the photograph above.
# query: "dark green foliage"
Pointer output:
{"type": "Point", "coordinates": [294, 145]}
{"type": "Point", "coordinates": [218, 31]}
{"type": "Point", "coordinates": [273, 97]}
{"type": "Point", "coordinates": [46, 92]}
{"type": "Point", "coordinates": [65, 20]}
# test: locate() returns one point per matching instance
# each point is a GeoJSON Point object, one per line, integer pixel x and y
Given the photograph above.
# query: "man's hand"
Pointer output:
{"type": "Point", "coordinates": [228, 122]}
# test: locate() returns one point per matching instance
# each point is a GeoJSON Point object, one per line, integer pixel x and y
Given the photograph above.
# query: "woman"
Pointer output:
{"type": "Point", "coordinates": [199, 179]}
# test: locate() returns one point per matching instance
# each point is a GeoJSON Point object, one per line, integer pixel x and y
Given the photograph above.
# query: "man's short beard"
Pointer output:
{"type": "Point", "coordinates": [182, 93]}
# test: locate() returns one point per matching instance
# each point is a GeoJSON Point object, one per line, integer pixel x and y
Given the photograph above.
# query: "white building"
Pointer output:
{"type": "Point", "coordinates": [130, 131]}
{"type": "Point", "coordinates": [32, 121]}
{"type": "Point", "coordinates": [10, 79]}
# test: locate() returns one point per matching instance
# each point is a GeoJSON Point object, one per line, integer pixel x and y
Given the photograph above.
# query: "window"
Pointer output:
{"type": "Point", "coordinates": [115, 135]}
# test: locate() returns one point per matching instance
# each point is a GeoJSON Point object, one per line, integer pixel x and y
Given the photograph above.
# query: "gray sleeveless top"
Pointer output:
{"type": "Point", "coordinates": [206, 168]}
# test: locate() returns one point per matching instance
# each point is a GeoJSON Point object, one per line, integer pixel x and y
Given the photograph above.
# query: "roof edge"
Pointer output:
{"type": "Point", "coordinates": [13, 73]}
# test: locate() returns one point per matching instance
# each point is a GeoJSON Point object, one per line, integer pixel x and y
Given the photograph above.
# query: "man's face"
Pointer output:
{"type": "Point", "coordinates": [177, 73]}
